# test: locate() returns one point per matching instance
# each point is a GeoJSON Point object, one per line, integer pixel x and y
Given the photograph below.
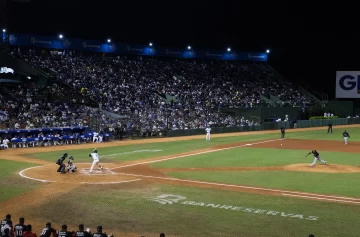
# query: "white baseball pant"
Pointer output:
{"type": "Point", "coordinates": [95, 139]}
{"type": "Point", "coordinates": [207, 136]}
{"type": "Point", "coordinates": [316, 160]}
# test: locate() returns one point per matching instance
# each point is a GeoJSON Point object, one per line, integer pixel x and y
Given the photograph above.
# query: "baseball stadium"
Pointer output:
{"type": "Point", "coordinates": [113, 139]}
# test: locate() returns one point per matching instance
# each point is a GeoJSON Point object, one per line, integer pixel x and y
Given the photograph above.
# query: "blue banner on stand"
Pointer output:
{"type": "Point", "coordinates": [103, 47]}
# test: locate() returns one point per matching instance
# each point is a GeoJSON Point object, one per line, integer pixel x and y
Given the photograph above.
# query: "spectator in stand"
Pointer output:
{"type": "Point", "coordinates": [48, 230]}
{"type": "Point", "coordinates": [20, 228]}
{"type": "Point", "coordinates": [7, 220]}
{"type": "Point", "coordinates": [133, 86]}
{"type": "Point", "coordinates": [81, 232]}
{"type": "Point", "coordinates": [28, 232]}
{"type": "Point", "coordinates": [6, 230]}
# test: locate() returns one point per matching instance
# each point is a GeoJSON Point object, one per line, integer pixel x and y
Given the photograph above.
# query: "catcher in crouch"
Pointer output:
{"type": "Point", "coordinates": [317, 158]}
{"type": "Point", "coordinates": [71, 166]}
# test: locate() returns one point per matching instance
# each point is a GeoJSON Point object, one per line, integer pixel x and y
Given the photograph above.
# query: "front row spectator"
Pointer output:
{"type": "Point", "coordinates": [28, 232]}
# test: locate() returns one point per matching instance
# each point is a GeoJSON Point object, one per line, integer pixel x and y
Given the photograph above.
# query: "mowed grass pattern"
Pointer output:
{"type": "Point", "coordinates": [256, 157]}
{"type": "Point", "coordinates": [11, 184]}
{"type": "Point", "coordinates": [134, 212]}
{"type": "Point", "coordinates": [129, 153]}
{"type": "Point", "coordinates": [127, 208]}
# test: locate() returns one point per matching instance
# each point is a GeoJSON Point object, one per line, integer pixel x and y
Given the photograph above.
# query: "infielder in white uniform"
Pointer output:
{"type": "Point", "coordinates": [208, 130]}
{"type": "Point", "coordinates": [95, 157]}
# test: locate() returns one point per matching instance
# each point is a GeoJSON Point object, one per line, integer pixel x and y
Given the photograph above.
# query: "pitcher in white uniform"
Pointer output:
{"type": "Point", "coordinates": [96, 161]}
{"type": "Point", "coordinates": [208, 130]}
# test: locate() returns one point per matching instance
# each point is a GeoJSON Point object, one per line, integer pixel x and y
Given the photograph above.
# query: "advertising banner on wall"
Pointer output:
{"type": "Point", "coordinates": [348, 84]}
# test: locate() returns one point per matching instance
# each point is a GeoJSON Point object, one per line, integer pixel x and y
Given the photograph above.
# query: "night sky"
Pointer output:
{"type": "Point", "coordinates": [308, 42]}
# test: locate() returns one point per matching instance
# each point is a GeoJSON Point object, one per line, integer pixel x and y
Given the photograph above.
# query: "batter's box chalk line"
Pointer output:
{"type": "Point", "coordinates": [116, 182]}
{"type": "Point", "coordinates": [105, 171]}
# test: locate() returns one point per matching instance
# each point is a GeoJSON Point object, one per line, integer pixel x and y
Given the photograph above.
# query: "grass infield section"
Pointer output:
{"type": "Point", "coordinates": [201, 212]}
{"type": "Point", "coordinates": [340, 184]}
{"type": "Point", "coordinates": [260, 157]}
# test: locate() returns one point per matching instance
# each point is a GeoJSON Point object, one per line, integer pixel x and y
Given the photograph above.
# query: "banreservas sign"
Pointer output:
{"type": "Point", "coordinates": [166, 199]}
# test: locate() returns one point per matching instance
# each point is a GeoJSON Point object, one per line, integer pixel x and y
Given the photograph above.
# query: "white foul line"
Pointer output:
{"type": "Point", "coordinates": [319, 198]}
{"type": "Point", "coordinates": [40, 180]}
{"type": "Point", "coordinates": [119, 182]}
{"type": "Point", "coordinates": [130, 152]}
{"type": "Point", "coordinates": [194, 154]}
{"type": "Point", "coordinates": [283, 192]}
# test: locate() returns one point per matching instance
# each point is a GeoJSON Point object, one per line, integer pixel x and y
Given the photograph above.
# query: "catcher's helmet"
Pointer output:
{"type": "Point", "coordinates": [71, 158]}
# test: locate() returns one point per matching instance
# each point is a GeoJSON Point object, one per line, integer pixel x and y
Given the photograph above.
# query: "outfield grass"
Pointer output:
{"type": "Point", "coordinates": [127, 208]}
{"type": "Point", "coordinates": [167, 148]}
{"type": "Point", "coordinates": [11, 184]}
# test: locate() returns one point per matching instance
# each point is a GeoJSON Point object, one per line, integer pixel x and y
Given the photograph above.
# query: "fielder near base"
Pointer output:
{"type": "Point", "coordinates": [346, 136]}
{"type": "Point", "coordinates": [208, 130]}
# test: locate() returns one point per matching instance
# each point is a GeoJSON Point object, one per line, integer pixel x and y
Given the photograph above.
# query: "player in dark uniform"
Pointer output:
{"type": "Point", "coordinates": [48, 230]}
{"type": "Point", "coordinates": [7, 218]}
{"type": "Point", "coordinates": [81, 232]}
{"type": "Point", "coordinates": [346, 136]}
{"type": "Point", "coordinates": [317, 157]}
{"type": "Point", "coordinates": [99, 232]}
{"type": "Point", "coordinates": [20, 228]}
{"type": "Point", "coordinates": [329, 128]}
{"type": "Point", "coordinates": [63, 232]}
{"type": "Point", "coordinates": [61, 164]}
{"type": "Point", "coordinates": [282, 130]}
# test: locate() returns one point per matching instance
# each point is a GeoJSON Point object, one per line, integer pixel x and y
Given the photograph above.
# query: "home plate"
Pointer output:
{"type": "Point", "coordinates": [96, 172]}
{"type": "Point", "coordinates": [248, 144]}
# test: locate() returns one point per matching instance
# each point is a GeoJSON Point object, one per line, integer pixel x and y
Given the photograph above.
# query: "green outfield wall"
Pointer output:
{"type": "Point", "coordinates": [267, 126]}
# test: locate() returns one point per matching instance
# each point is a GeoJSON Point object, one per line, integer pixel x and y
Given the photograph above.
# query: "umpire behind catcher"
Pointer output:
{"type": "Point", "coordinates": [282, 130]}
{"type": "Point", "coordinates": [61, 164]}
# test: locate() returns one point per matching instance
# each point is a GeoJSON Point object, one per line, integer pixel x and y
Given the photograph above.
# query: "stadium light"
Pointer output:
{"type": "Point", "coordinates": [228, 49]}
{"type": "Point", "coordinates": [61, 36]}
{"type": "Point", "coordinates": [267, 51]}
{"type": "Point", "coordinates": [150, 44]}
{"type": "Point", "coordinates": [189, 47]}
{"type": "Point", "coordinates": [4, 30]}
{"type": "Point", "coordinates": [109, 40]}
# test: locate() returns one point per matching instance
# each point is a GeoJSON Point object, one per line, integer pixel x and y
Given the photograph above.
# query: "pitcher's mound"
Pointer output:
{"type": "Point", "coordinates": [323, 168]}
